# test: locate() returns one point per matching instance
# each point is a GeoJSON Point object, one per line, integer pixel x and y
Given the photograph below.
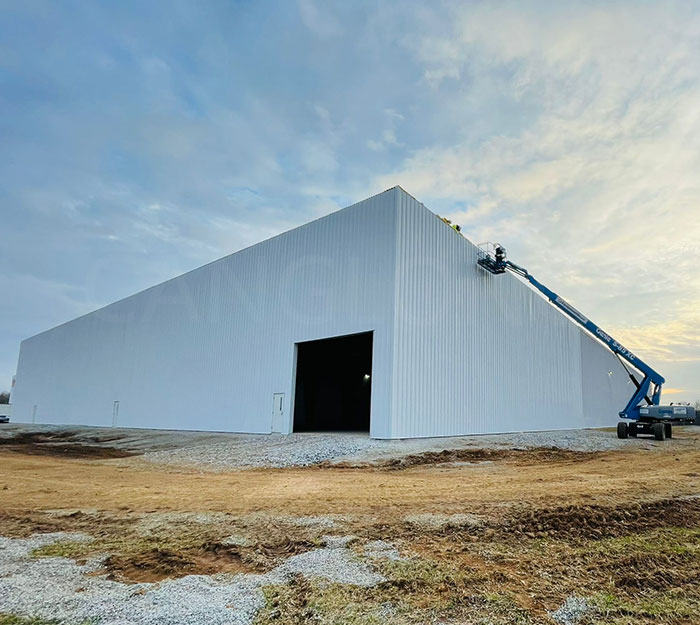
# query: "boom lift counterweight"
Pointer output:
{"type": "Point", "coordinates": [643, 408]}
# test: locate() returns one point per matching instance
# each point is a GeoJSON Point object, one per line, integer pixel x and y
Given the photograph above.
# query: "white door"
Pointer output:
{"type": "Point", "coordinates": [277, 412]}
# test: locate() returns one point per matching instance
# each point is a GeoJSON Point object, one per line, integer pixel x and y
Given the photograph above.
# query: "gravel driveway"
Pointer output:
{"type": "Point", "coordinates": [311, 448]}
{"type": "Point", "coordinates": [226, 451]}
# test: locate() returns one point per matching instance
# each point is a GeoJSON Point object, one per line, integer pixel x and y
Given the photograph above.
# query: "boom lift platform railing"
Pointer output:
{"type": "Point", "coordinates": [644, 410]}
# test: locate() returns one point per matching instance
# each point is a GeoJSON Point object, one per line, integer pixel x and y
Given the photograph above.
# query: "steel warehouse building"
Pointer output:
{"type": "Point", "coordinates": [375, 317]}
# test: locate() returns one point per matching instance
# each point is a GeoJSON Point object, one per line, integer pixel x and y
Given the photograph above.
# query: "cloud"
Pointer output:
{"type": "Point", "coordinates": [323, 24]}
{"type": "Point", "coordinates": [388, 137]}
{"type": "Point", "coordinates": [673, 391]}
{"type": "Point", "coordinates": [140, 142]}
{"type": "Point", "coordinates": [675, 340]}
{"type": "Point", "coordinates": [594, 186]}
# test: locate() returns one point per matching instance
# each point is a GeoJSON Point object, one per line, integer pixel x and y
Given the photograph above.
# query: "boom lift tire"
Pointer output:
{"type": "Point", "coordinates": [659, 431]}
{"type": "Point", "coordinates": [622, 429]}
{"type": "Point", "coordinates": [668, 430]}
{"type": "Point", "coordinates": [632, 430]}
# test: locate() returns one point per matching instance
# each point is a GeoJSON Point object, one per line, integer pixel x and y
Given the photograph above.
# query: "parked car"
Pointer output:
{"type": "Point", "coordinates": [4, 418]}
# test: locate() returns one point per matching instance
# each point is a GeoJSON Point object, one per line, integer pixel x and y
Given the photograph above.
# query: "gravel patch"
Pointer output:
{"type": "Point", "coordinates": [274, 450]}
{"type": "Point", "coordinates": [209, 451]}
{"type": "Point", "coordinates": [338, 542]}
{"type": "Point", "coordinates": [315, 522]}
{"type": "Point", "coordinates": [236, 540]}
{"type": "Point", "coordinates": [572, 611]}
{"type": "Point", "coordinates": [321, 522]}
{"type": "Point", "coordinates": [381, 550]}
{"type": "Point", "coordinates": [59, 588]}
{"type": "Point", "coordinates": [387, 610]}
{"type": "Point", "coordinates": [433, 522]}
{"type": "Point", "coordinates": [154, 524]}
{"type": "Point", "coordinates": [335, 564]}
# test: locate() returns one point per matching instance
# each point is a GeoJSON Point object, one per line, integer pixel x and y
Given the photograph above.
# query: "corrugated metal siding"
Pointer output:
{"type": "Point", "coordinates": [606, 386]}
{"type": "Point", "coordinates": [476, 353]}
{"type": "Point", "coordinates": [208, 349]}
{"type": "Point", "coordinates": [456, 350]}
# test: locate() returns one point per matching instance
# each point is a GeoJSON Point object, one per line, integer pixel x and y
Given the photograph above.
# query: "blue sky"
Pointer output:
{"type": "Point", "coordinates": [140, 140]}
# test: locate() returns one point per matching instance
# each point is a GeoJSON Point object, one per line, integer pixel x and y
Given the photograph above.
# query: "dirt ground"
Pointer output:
{"type": "Point", "coordinates": [494, 536]}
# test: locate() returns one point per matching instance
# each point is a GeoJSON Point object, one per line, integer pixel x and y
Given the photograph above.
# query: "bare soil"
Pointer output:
{"type": "Point", "coordinates": [449, 456]}
{"type": "Point", "coordinates": [56, 444]}
{"type": "Point", "coordinates": [157, 564]}
{"type": "Point", "coordinates": [35, 482]}
{"type": "Point", "coordinates": [619, 526]}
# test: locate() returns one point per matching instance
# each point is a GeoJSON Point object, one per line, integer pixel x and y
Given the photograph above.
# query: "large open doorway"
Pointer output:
{"type": "Point", "coordinates": [334, 384]}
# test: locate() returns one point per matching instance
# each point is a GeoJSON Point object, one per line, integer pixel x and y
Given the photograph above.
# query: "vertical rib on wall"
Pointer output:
{"type": "Point", "coordinates": [473, 352]}
{"type": "Point", "coordinates": [208, 349]}
{"type": "Point", "coordinates": [606, 387]}
{"type": "Point", "coordinates": [456, 350]}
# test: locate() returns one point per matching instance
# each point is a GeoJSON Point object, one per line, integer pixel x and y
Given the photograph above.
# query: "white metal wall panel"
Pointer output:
{"type": "Point", "coordinates": [477, 353]}
{"type": "Point", "coordinates": [456, 350]}
{"type": "Point", "coordinates": [208, 349]}
{"type": "Point", "coordinates": [606, 385]}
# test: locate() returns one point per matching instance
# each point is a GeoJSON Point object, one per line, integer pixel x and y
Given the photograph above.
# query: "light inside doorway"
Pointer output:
{"type": "Point", "coordinates": [334, 384]}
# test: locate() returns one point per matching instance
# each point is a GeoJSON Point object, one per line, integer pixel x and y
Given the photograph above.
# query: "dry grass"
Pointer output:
{"type": "Point", "coordinates": [149, 548]}
{"type": "Point", "coordinates": [643, 571]}
{"type": "Point", "coordinates": [640, 578]}
{"type": "Point", "coordinates": [522, 532]}
{"type": "Point", "coordinates": [14, 619]}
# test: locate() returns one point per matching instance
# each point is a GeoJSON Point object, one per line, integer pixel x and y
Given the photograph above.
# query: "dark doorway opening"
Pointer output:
{"type": "Point", "coordinates": [334, 384]}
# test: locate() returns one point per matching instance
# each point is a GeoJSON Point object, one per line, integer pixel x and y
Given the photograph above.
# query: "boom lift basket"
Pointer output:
{"type": "Point", "coordinates": [490, 256]}
{"type": "Point", "coordinates": [644, 408]}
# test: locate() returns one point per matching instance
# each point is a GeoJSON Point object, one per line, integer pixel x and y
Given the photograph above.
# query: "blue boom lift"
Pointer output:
{"type": "Point", "coordinates": [643, 409]}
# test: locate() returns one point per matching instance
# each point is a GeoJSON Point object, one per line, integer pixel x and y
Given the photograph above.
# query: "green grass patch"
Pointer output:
{"type": "Point", "coordinates": [62, 549]}
{"type": "Point", "coordinates": [418, 590]}
{"type": "Point", "coordinates": [666, 540]}
{"type": "Point", "coordinates": [14, 619]}
{"type": "Point", "coordinates": [671, 607]}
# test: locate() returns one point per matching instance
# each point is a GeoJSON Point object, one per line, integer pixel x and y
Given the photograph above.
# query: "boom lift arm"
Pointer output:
{"type": "Point", "coordinates": [643, 406]}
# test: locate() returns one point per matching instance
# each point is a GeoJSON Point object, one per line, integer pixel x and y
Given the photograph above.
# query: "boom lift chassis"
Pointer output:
{"type": "Point", "coordinates": [643, 409]}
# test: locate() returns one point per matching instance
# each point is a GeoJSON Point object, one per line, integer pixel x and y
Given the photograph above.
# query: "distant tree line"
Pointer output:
{"type": "Point", "coordinates": [4, 397]}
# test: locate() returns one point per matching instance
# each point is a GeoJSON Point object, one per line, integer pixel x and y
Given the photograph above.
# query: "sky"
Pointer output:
{"type": "Point", "coordinates": [139, 140]}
